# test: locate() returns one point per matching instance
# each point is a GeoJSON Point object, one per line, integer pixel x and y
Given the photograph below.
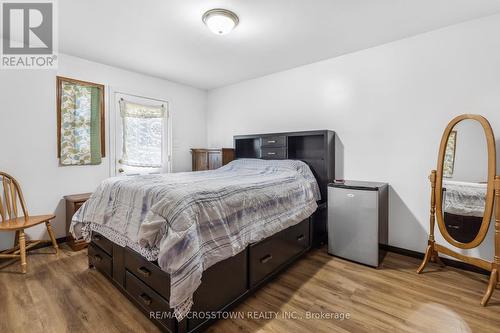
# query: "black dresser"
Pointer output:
{"type": "Point", "coordinates": [322, 150]}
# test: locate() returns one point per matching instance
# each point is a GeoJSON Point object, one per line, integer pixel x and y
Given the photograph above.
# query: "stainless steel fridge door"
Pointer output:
{"type": "Point", "coordinates": [353, 225]}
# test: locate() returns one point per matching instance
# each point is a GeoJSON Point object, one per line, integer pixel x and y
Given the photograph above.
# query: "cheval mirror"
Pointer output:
{"type": "Point", "coordinates": [464, 190]}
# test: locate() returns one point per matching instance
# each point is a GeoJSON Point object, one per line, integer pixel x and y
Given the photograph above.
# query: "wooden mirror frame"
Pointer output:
{"type": "Point", "coordinates": [493, 194]}
{"type": "Point", "coordinates": [490, 190]}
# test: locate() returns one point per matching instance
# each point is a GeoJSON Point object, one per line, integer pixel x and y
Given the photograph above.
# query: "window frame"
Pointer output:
{"type": "Point", "coordinates": [59, 83]}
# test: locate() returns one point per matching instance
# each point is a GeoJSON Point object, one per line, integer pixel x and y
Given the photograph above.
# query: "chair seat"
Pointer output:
{"type": "Point", "coordinates": [24, 222]}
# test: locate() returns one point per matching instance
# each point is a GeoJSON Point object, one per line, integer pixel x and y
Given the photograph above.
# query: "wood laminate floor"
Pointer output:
{"type": "Point", "coordinates": [60, 294]}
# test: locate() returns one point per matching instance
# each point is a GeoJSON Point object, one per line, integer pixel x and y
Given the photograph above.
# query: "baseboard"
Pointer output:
{"type": "Point", "coordinates": [446, 261]}
{"type": "Point", "coordinates": [42, 245]}
{"type": "Point", "coordinates": [61, 240]}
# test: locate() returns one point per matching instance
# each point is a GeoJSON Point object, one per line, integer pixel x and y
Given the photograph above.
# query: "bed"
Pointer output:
{"type": "Point", "coordinates": [464, 198]}
{"type": "Point", "coordinates": [463, 207]}
{"type": "Point", "coordinates": [168, 241]}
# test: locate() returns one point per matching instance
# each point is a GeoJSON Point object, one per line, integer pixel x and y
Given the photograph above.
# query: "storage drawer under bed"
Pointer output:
{"type": "Point", "coordinates": [105, 244]}
{"type": "Point", "coordinates": [100, 260]}
{"type": "Point", "coordinates": [269, 254]}
{"type": "Point", "coordinates": [148, 272]}
{"type": "Point", "coordinates": [150, 301]}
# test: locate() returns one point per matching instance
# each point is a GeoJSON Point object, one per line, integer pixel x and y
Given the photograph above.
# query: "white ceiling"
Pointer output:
{"type": "Point", "coordinates": [167, 39]}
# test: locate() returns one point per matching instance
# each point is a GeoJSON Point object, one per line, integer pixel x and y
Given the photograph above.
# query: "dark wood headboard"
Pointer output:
{"type": "Point", "coordinates": [321, 150]}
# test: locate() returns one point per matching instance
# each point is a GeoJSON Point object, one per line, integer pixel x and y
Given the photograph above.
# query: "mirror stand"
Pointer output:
{"type": "Point", "coordinates": [433, 249]}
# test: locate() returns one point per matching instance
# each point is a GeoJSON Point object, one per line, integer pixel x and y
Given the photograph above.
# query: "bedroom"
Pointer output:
{"type": "Point", "coordinates": [318, 92]}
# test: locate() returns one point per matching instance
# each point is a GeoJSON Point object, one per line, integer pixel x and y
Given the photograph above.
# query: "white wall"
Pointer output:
{"type": "Point", "coordinates": [28, 132]}
{"type": "Point", "coordinates": [388, 104]}
{"type": "Point", "coordinates": [471, 153]}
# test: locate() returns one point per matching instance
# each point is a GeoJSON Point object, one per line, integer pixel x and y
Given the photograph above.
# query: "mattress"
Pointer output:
{"type": "Point", "coordinates": [190, 221]}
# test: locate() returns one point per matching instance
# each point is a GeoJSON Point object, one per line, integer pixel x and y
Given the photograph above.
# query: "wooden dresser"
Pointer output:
{"type": "Point", "coordinates": [211, 158]}
{"type": "Point", "coordinates": [73, 203]}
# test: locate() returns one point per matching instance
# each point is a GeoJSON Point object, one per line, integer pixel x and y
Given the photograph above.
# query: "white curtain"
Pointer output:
{"type": "Point", "coordinates": [142, 134]}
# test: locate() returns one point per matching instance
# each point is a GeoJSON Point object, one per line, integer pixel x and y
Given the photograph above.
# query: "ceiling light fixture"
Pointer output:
{"type": "Point", "coordinates": [220, 21]}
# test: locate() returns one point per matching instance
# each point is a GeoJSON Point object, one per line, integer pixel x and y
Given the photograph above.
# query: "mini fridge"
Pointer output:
{"type": "Point", "coordinates": [358, 220]}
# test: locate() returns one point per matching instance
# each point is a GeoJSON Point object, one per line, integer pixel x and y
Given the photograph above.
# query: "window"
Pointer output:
{"type": "Point", "coordinates": [141, 135]}
{"type": "Point", "coordinates": [80, 123]}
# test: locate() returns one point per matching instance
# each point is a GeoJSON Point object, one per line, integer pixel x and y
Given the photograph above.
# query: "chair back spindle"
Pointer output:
{"type": "Point", "coordinates": [12, 194]}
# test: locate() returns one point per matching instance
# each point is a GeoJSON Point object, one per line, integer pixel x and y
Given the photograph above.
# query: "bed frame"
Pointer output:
{"type": "Point", "coordinates": [148, 287]}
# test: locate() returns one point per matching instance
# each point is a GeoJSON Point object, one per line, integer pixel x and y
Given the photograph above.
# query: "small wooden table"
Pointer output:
{"type": "Point", "coordinates": [73, 203]}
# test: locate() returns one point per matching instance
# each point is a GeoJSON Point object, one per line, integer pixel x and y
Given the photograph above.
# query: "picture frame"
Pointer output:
{"type": "Point", "coordinates": [60, 84]}
{"type": "Point", "coordinates": [449, 157]}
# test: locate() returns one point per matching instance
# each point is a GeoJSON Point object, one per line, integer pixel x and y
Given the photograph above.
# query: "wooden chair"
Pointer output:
{"type": "Point", "coordinates": [10, 221]}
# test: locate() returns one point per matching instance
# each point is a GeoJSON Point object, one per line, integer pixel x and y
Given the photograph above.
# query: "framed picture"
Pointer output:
{"type": "Point", "coordinates": [449, 155]}
{"type": "Point", "coordinates": [80, 122]}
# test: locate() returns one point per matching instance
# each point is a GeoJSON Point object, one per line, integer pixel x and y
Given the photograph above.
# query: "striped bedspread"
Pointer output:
{"type": "Point", "coordinates": [190, 221]}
